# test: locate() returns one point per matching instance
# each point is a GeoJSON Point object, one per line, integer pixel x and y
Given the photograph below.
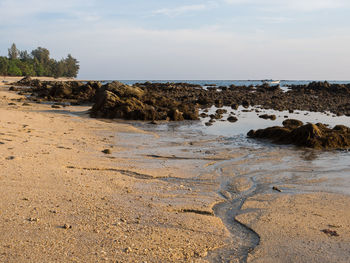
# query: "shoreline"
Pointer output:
{"type": "Point", "coordinates": [132, 207]}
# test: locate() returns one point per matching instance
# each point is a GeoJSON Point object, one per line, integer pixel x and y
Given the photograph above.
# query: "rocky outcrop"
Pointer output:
{"type": "Point", "coordinates": [317, 136]}
{"type": "Point", "coordinates": [117, 100]}
{"type": "Point", "coordinates": [70, 91]}
{"type": "Point", "coordinates": [316, 96]}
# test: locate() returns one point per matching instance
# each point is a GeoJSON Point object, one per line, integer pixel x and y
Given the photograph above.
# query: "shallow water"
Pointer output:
{"type": "Point", "coordinates": [283, 83]}
{"type": "Point", "coordinates": [220, 163]}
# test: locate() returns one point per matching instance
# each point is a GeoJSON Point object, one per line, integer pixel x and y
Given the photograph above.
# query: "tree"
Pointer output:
{"type": "Point", "coordinates": [13, 70]}
{"type": "Point", "coordinates": [71, 66]}
{"type": "Point", "coordinates": [13, 52]}
{"type": "Point", "coordinates": [25, 56]}
{"type": "Point", "coordinates": [3, 66]}
{"type": "Point", "coordinates": [38, 68]}
{"type": "Point", "coordinates": [59, 69]}
{"type": "Point", "coordinates": [42, 55]}
{"type": "Point", "coordinates": [37, 63]}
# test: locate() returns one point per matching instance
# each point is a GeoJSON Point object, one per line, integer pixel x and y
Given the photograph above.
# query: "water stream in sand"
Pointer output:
{"type": "Point", "coordinates": [239, 167]}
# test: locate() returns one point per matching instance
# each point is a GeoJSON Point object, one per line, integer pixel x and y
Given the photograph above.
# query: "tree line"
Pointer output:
{"type": "Point", "coordinates": [37, 63]}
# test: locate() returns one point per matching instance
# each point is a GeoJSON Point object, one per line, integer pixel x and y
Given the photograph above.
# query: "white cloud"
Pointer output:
{"type": "Point", "coordinates": [296, 5]}
{"type": "Point", "coordinates": [23, 9]}
{"type": "Point", "coordinates": [180, 10]}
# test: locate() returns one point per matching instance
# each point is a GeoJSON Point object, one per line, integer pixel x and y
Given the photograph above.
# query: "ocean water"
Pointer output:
{"type": "Point", "coordinates": [229, 82]}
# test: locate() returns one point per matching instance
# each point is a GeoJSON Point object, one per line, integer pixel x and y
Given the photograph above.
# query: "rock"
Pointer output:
{"type": "Point", "coordinates": [159, 101]}
{"type": "Point", "coordinates": [234, 106]}
{"type": "Point", "coordinates": [175, 115]}
{"type": "Point", "coordinates": [55, 106]}
{"type": "Point", "coordinates": [67, 226]}
{"type": "Point", "coordinates": [25, 104]}
{"type": "Point", "coordinates": [317, 136]}
{"type": "Point", "coordinates": [266, 116]}
{"type": "Point", "coordinates": [128, 250]}
{"type": "Point", "coordinates": [107, 151]}
{"type": "Point", "coordinates": [275, 188]}
{"type": "Point", "coordinates": [331, 233]}
{"type": "Point", "coordinates": [292, 123]}
{"type": "Point", "coordinates": [245, 104]}
{"type": "Point", "coordinates": [232, 119]}
{"type": "Point", "coordinates": [208, 124]}
{"type": "Point", "coordinates": [221, 111]}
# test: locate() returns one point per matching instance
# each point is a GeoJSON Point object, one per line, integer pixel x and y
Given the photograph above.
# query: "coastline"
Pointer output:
{"type": "Point", "coordinates": [5, 80]}
{"type": "Point", "coordinates": [120, 210]}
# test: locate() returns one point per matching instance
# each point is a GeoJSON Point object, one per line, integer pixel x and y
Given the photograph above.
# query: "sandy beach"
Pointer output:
{"type": "Point", "coordinates": [63, 200]}
{"type": "Point", "coordinates": [8, 79]}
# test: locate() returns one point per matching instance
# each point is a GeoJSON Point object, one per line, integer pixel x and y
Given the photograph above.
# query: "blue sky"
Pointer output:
{"type": "Point", "coordinates": [163, 39]}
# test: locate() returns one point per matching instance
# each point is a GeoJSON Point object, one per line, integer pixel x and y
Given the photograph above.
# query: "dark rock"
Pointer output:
{"type": "Point", "coordinates": [107, 151]}
{"type": "Point", "coordinates": [232, 119]}
{"type": "Point", "coordinates": [331, 233]}
{"type": "Point", "coordinates": [234, 106]}
{"type": "Point", "coordinates": [55, 106]}
{"type": "Point", "coordinates": [275, 188]}
{"type": "Point", "coordinates": [67, 226]}
{"type": "Point", "coordinates": [317, 136]}
{"type": "Point", "coordinates": [292, 123]}
{"type": "Point", "coordinates": [266, 116]}
{"type": "Point", "coordinates": [245, 104]}
{"type": "Point", "coordinates": [221, 111]}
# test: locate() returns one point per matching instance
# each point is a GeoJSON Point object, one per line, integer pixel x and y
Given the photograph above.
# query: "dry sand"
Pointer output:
{"type": "Point", "coordinates": [112, 218]}
{"type": "Point", "coordinates": [63, 200]}
{"type": "Point", "coordinates": [9, 80]}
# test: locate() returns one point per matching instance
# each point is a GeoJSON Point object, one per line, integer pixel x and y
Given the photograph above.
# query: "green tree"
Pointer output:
{"type": "Point", "coordinates": [37, 63]}
{"type": "Point", "coordinates": [42, 55]}
{"type": "Point", "coordinates": [25, 56]}
{"type": "Point", "coordinates": [59, 69]}
{"type": "Point", "coordinates": [27, 69]}
{"type": "Point", "coordinates": [4, 63]}
{"type": "Point", "coordinates": [71, 66]}
{"type": "Point", "coordinates": [13, 70]}
{"type": "Point", "coordinates": [13, 52]}
{"type": "Point", "coordinates": [38, 68]}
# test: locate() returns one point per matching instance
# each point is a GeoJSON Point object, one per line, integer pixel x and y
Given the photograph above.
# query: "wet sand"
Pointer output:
{"type": "Point", "coordinates": [159, 197]}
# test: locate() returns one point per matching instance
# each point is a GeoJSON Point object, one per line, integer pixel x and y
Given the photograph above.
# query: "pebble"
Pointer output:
{"type": "Point", "coordinates": [107, 151]}
{"type": "Point", "coordinates": [56, 106]}
{"type": "Point", "coordinates": [128, 250]}
{"type": "Point", "coordinates": [276, 189]}
{"type": "Point", "coordinates": [66, 226]}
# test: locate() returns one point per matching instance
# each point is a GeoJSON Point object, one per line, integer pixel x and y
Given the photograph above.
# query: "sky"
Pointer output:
{"type": "Point", "coordinates": [177, 39]}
